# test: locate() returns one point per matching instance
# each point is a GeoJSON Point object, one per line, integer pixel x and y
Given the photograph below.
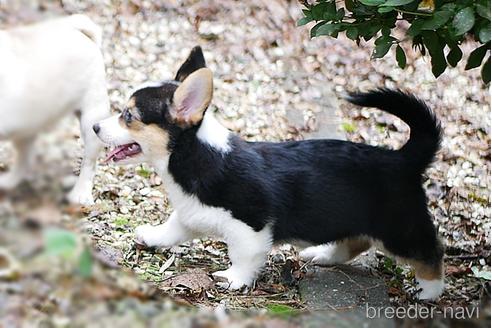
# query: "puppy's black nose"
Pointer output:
{"type": "Point", "coordinates": [96, 128]}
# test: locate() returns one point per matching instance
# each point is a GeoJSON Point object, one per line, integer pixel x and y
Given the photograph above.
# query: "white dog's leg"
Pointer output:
{"type": "Point", "coordinates": [335, 253]}
{"type": "Point", "coordinates": [20, 169]}
{"type": "Point", "coordinates": [248, 251]}
{"type": "Point", "coordinates": [326, 254]}
{"type": "Point", "coordinates": [90, 114]}
{"type": "Point", "coordinates": [168, 234]}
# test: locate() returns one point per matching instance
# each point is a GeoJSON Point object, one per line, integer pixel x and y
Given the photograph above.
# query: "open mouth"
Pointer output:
{"type": "Point", "coordinates": [124, 152]}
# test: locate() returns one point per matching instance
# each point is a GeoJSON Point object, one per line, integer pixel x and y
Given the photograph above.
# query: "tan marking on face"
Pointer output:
{"type": "Point", "coordinates": [151, 138]}
{"type": "Point", "coordinates": [131, 103]}
{"type": "Point", "coordinates": [133, 110]}
{"type": "Point", "coordinates": [132, 107]}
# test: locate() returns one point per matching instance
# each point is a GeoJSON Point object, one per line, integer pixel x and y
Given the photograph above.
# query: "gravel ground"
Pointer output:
{"type": "Point", "coordinates": [263, 67]}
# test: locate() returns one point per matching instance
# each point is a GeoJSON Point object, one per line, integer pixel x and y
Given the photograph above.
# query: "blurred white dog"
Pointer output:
{"type": "Point", "coordinates": [46, 71]}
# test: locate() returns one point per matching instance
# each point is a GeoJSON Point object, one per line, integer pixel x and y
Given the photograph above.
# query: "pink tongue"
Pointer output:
{"type": "Point", "coordinates": [123, 151]}
{"type": "Point", "coordinates": [114, 152]}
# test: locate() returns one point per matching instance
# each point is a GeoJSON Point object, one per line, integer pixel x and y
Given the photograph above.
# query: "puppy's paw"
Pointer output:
{"type": "Point", "coordinates": [325, 254]}
{"type": "Point", "coordinates": [235, 279]}
{"type": "Point", "coordinates": [142, 235]}
{"type": "Point", "coordinates": [81, 197]}
{"type": "Point", "coordinates": [431, 289]}
{"type": "Point", "coordinates": [148, 236]}
{"type": "Point", "coordinates": [9, 181]}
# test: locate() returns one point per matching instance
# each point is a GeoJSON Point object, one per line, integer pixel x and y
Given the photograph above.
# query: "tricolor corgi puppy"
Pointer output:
{"type": "Point", "coordinates": [339, 195]}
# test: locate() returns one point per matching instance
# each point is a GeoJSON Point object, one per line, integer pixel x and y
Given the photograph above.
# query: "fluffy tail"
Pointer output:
{"type": "Point", "coordinates": [425, 129]}
{"type": "Point", "coordinates": [86, 26]}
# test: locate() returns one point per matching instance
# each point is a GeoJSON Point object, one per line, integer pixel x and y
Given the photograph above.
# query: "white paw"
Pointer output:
{"type": "Point", "coordinates": [328, 254]}
{"type": "Point", "coordinates": [82, 197]}
{"type": "Point", "coordinates": [148, 235]}
{"type": "Point", "coordinates": [9, 181]}
{"type": "Point", "coordinates": [235, 279]}
{"type": "Point", "coordinates": [431, 289]}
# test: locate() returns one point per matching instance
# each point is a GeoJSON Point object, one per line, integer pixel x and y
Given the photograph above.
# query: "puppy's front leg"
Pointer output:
{"type": "Point", "coordinates": [248, 251]}
{"type": "Point", "coordinates": [171, 233]}
{"type": "Point", "coordinates": [91, 113]}
{"type": "Point", "coordinates": [20, 169]}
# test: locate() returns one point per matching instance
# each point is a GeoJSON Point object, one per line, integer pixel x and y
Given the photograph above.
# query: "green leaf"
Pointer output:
{"type": "Point", "coordinates": [484, 33]}
{"type": "Point", "coordinates": [483, 8]}
{"type": "Point", "coordinates": [476, 57]}
{"type": "Point", "coordinates": [304, 21]}
{"type": "Point", "coordinates": [416, 27]}
{"type": "Point", "coordinates": [486, 74]}
{"type": "Point", "coordinates": [388, 263]}
{"type": "Point", "coordinates": [385, 31]}
{"type": "Point", "coordinates": [352, 33]}
{"type": "Point", "coordinates": [450, 6]}
{"type": "Point", "coordinates": [349, 4]}
{"type": "Point", "coordinates": [401, 59]}
{"type": "Point", "coordinates": [348, 127]}
{"type": "Point", "coordinates": [381, 50]}
{"type": "Point", "coordinates": [315, 28]}
{"type": "Point", "coordinates": [395, 3]}
{"type": "Point", "coordinates": [383, 10]}
{"type": "Point", "coordinates": [372, 2]}
{"type": "Point", "coordinates": [281, 310]}
{"type": "Point", "coordinates": [85, 263]}
{"type": "Point", "coordinates": [324, 11]}
{"type": "Point", "coordinates": [368, 30]}
{"type": "Point", "coordinates": [143, 172]}
{"type": "Point", "coordinates": [383, 45]}
{"type": "Point", "coordinates": [384, 39]}
{"type": "Point", "coordinates": [121, 221]}
{"type": "Point", "coordinates": [437, 20]}
{"type": "Point", "coordinates": [454, 56]}
{"type": "Point", "coordinates": [436, 50]}
{"type": "Point", "coordinates": [451, 39]}
{"type": "Point", "coordinates": [340, 14]}
{"type": "Point", "coordinates": [318, 10]}
{"type": "Point", "coordinates": [307, 12]}
{"type": "Point", "coordinates": [360, 11]}
{"type": "Point", "coordinates": [463, 21]}
{"type": "Point", "coordinates": [60, 242]}
{"type": "Point", "coordinates": [328, 29]}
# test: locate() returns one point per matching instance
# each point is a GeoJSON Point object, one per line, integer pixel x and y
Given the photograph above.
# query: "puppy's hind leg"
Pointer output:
{"type": "Point", "coordinates": [429, 269]}
{"type": "Point", "coordinates": [23, 164]}
{"type": "Point", "coordinates": [335, 253]}
{"type": "Point", "coordinates": [420, 247]}
{"type": "Point", "coordinates": [91, 113]}
{"type": "Point", "coordinates": [248, 251]}
{"type": "Point", "coordinates": [429, 277]}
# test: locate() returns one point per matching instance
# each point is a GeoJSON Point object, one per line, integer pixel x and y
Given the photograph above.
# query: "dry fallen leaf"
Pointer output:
{"type": "Point", "coordinates": [168, 263]}
{"type": "Point", "coordinates": [46, 214]}
{"type": "Point", "coordinates": [195, 280]}
{"type": "Point", "coordinates": [456, 271]}
{"type": "Point", "coordinates": [9, 266]}
{"type": "Point", "coordinates": [109, 256]}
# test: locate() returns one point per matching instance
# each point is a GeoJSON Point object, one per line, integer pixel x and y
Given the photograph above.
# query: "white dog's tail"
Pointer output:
{"type": "Point", "coordinates": [86, 26]}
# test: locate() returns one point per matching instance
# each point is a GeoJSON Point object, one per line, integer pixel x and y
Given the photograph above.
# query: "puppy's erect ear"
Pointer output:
{"type": "Point", "coordinates": [194, 62]}
{"type": "Point", "coordinates": [192, 98]}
